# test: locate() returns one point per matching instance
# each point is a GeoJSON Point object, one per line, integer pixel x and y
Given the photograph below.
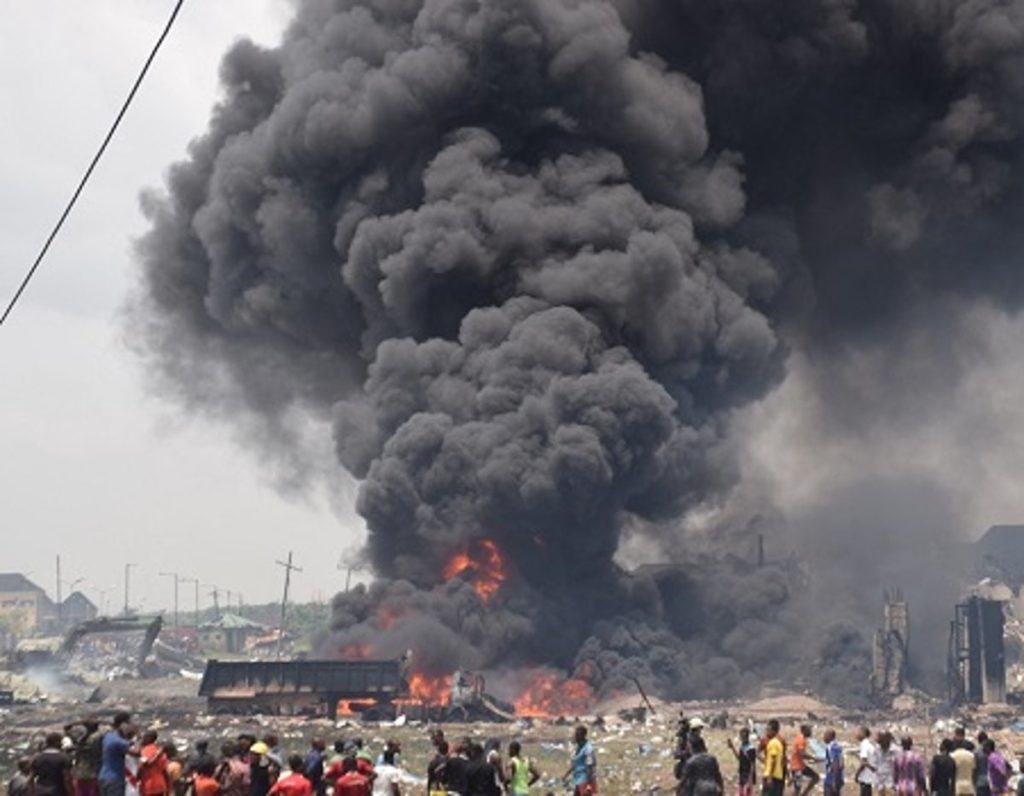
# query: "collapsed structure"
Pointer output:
{"type": "Point", "coordinates": [891, 648]}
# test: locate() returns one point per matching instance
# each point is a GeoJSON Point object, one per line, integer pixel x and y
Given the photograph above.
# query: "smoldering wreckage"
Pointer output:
{"type": "Point", "coordinates": [527, 269]}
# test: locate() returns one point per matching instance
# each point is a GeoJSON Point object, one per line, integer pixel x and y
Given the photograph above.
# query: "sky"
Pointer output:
{"type": "Point", "coordinates": [96, 468]}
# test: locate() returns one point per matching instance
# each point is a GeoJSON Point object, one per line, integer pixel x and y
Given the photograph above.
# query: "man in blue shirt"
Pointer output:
{"type": "Point", "coordinates": [583, 767]}
{"type": "Point", "coordinates": [116, 745]}
{"type": "Point", "coordinates": [314, 766]}
{"type": "Point", "coordinates": [833, 764]}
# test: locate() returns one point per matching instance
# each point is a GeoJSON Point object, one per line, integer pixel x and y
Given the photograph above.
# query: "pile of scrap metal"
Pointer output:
{"type": "Point", "coordinates": [57, 654]}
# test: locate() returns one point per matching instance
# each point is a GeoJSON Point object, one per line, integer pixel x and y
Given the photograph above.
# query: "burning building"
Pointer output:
{"type": "Point", "coordinates": [522, 265]}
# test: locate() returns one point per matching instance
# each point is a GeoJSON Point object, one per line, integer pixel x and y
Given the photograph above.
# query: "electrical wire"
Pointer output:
{"type": "Point", "coordinates": [95, 160]}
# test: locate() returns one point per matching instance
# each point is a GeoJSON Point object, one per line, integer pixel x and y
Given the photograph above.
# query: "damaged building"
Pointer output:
{"type": "Point", "coordinates": [889, 658]}
{"type": "Point", "coordinates": [977, 649]}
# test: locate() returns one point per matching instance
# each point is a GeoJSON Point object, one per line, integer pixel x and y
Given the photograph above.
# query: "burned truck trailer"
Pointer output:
{"type": "Point", "coordinates": [294, 687]}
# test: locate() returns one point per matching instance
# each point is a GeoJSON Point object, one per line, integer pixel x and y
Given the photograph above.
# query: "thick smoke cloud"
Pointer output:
{"type": "Point", "coordinates": [540, 263]}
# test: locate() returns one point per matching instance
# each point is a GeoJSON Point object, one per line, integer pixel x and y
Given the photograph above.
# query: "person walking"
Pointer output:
{"type": "Point", "coordinates": [942, 772]}
{"type": "Point", "coordinates": [982, 786]}
{"type": "Point", "coordinates": [296, 783]}
{"type": "Point", "coordinates": [351, 782]}
{"type": "Point", "coordinates": [88, 755]}
{"type": "Point", "coordinates": [835, 767]}
{"type": "Point", "coordinates": [963, 759]}
{"type": "Point", "coordinates": [908, 767]}
{"type": "Point", "coordinates": [152, 774]}
{"type": "Point", "coordinates": [116, 746]}
{"type": "Point", "coordinates": [18, 784]}
{"type": "Point", "coordinates": [774, 776]}
{"type": "Point", "coordinates": [746, 761]}
{"type": "Point", "coordinates": [701, 774]}
{"type": "Point", "coordinates": [998, 770]}
{"type": "Point", "coordinates": [522, 773]}
{"type": "Point", "coordinates": [583, 765]}
{"type": "Point", "coordinates": [387, 775]}
{"type": "Point", "coordinates": [804, 777]}
{"type": "Point", "coordinates": [867, 755]}
{"type": "Point", "coordinates": [885, 767]}
{"type": "Point", "coordinates": [51, 770]}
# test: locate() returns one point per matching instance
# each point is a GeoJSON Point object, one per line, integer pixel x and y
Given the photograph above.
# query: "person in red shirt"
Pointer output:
{"type": "Point", "coordinates": [351, 782]}
{"type": "Point", "coordinates": [295, 784]}
{"type": "Point", "coordinates": [204, 783]}
{"type": "Point", "coordinates": [152, 774]}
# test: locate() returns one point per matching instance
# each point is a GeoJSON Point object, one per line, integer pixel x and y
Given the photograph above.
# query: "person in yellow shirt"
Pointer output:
{"type": "Point", "coordinates": [774, 779]}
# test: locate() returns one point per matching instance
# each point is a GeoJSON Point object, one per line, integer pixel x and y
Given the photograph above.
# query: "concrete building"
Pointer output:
{"type": "Point", "coordinates": [77, 608]}
{"type": "Point", "coordinates": [23, 604]}
{"type": "Point", "coordinates": [228, 633]}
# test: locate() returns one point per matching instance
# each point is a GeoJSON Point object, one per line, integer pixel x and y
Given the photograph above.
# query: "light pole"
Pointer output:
{"type": "Point", "coordinates": [127, 584]}
{"type": "Point", "coordinates": [194, 582]}
{"type": "Point", "coordinates": [215, 594]}
{"type": "Point", "coordinates": [176, 579]}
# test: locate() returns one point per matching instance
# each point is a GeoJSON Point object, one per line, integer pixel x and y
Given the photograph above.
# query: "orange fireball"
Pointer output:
{"type": "Point", "coordinates": [427, 690]}
{"type": "Point", "coordinates": [549, 696]}
{"type": "Point", "coordinates": [485, 568]}
{"type": "Point", "coordinates": [356, 651]}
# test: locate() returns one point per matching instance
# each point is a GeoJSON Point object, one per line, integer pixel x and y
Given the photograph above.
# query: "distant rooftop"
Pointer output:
{"type": "Point", "coordinates": [1000, 534]}
{"type": "Point", "coordinates": [15, 581]}
{"type": "Point", "coordinates": [234, 622]}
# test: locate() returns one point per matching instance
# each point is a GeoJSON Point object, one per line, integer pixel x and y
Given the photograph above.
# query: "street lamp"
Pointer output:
{"type": "Point", "coordinates": [194, 582]}
{"type": "Point", "coordinates": [176, 579]}
{"type": "Point", "coordinates": [127, 584]}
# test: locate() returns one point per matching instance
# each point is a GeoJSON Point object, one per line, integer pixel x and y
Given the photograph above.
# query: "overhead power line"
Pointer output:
{"type": "Point", "coordinates": [96, 159]}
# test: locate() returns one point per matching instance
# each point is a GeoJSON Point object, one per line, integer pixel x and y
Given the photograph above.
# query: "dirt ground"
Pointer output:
{"type": "Point", "coordinates": [634, 757]}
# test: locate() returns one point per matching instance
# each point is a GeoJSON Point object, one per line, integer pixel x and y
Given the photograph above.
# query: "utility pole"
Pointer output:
{"type": "Point", "coordinates": [288, 567]}
{"type": "Point", "coordinates": [176, 579]}
{"type": "Point", "coordinates": [195, 582]}
{"type": "Point", "coordinates": [127, 585]}
{"type": "Point", "coordinates": [60, 601]}
{"type": "Point", "coordinates": [215, 593]}
{"type": "Point", "coordinates": [229, 600]}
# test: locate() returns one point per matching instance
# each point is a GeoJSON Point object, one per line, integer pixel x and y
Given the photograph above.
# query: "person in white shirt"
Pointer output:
{"type": "Point", "coordinates": [868, 754]}
{"type": "Point", "coordinates": [387, 776]}
{"type": "Point", "coordinates": [885, 767]}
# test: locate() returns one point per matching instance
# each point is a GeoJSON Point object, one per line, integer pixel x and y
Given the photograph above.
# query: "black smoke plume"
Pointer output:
{"type": "Point", "coordinates": [534, 261]}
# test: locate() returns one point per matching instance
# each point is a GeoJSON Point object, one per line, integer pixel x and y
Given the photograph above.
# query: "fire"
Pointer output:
{"type": "Point", "coordinates": [486, 569]}
{"type": "Point", "coordinates": [386, 617]}
{"type": "Point", "coordinates": [353, 707]}
{"type": "Point", "coordinates": [357, 651]}
{"type": "Point", "coordinates": [426, 690]}
{"type": "Point", "coordinates": [549, 696]}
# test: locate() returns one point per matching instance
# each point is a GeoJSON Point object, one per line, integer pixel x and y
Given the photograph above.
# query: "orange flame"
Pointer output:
{"type": "Point", "coordinates": [386, 617]}
{"type": "Point", "coordinates": [550, 696]}
{"type": "Point", "coordinates": [486, 569]}
{"type": "Point", "coordinates": [427, 690]}
{"type": "Point", "coordinates": [353, 707]}
{"type": "Point", "coordinates": [357, 651]}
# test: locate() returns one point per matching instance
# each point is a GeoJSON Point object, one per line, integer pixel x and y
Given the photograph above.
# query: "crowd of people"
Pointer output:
{"type": "Point", "coordinates": [93, 759]}
{"type": "Point", "coordinates": [881, 765]}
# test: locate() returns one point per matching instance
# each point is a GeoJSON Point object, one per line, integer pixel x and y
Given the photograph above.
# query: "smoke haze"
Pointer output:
{"type": "Point", "coordinates": [605, 283]}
